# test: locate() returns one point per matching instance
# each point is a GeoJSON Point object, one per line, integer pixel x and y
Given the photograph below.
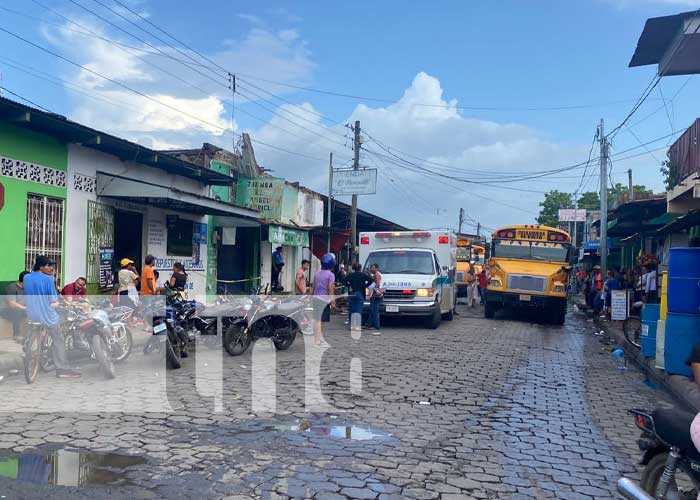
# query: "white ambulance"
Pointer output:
{"type": "Point", "coordinates": [418, 270]}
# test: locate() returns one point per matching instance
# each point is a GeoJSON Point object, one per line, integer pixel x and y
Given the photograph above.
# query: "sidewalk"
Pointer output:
{"type": "Point", "coordinates": [681, 387]}
{"type": "Point", "coordinates": [10, 356]}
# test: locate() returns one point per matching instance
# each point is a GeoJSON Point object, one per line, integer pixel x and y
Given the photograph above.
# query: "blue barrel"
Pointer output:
{"type": "Point", "coordinates": [650, 317]}
{"type": "Point", "coordinates": [684, 280]}
{"type": "Point", "coordinates": [682, 333]}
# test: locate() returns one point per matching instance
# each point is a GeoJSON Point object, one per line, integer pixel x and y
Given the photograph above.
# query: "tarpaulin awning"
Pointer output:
{"type": "Point", "coordinates": [320, 242]}
{"type": "Point", "coordinates": [692, 218]}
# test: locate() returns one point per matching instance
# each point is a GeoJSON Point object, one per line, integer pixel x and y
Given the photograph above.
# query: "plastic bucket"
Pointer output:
{"type": "Point", "coordinates": [682, 332]}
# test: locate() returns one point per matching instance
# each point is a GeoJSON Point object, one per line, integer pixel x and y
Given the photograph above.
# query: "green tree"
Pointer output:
{"type": "Point", "coordinates": [670, 173]}
{"type": "Point", "coordinates": [589, 200]}
{"type": "Point", "coordinates": [553, 201]}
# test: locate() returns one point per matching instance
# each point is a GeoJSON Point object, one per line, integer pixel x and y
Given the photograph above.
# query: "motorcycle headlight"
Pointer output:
{"type": "Point", "coordinates": [247, 307]}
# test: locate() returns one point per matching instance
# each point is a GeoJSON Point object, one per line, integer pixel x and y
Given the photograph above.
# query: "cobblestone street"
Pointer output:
{"type": "Point", "coordinates": [475, 409]}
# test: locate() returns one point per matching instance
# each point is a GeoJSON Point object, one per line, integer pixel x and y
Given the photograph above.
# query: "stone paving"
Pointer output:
{"type": "Point", "coordinates": [476, 409]}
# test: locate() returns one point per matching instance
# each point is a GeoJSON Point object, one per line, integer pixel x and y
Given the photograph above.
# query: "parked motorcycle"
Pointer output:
{"type": "Point", "coordinates": [88, 335]}
{"type": "Point", "coordinates": [671, 461]}
{"type": "Point", "coordinates": [263, 316]}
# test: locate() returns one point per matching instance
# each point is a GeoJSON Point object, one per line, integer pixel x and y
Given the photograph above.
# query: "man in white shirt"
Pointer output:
{"type": "Point", "coordinates": [650, 285]}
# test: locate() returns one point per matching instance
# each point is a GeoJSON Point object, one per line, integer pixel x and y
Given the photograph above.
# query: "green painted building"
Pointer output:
{"type": "Point", "coordinates": [32, 218]}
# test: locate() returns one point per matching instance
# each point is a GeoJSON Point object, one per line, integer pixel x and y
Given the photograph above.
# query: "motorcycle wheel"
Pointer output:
{"type": "Point", "coordinates": [236, 340]}
{"type": "Point", "coordinates": [104, 357]}
{"type": "Point", "coordinates": [124, 342]}
{"type": "Point", "coordinates": [172, 355]}
{"type": "Point", "coordinates": [632, 327]}
{"type": "Point", "coordinates": [32, 355]}
{"type": "Point", "coordinates": [682, 485]}
{"type": "Point", "coordinates": [286, 343]}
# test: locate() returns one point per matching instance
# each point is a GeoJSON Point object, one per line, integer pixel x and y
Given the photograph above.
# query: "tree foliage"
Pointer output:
{"type": "Point", "coordinates": [553, 201]}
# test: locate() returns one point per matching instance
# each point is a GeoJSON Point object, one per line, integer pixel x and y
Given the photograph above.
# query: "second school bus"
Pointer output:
{"type": "Point", "coordinates": [529, 268]}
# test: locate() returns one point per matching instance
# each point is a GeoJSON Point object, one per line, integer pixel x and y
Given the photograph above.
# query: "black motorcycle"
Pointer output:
{"type": "Point", "coordinates": [671, 461]}
{"type": "Point", "coordinates": [87, 336]}
{"type": "Point", "coordinates": [262, 316]}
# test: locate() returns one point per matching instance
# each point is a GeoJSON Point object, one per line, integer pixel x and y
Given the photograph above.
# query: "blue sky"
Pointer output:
{"type": "Point", "coordinates": [508, 54]}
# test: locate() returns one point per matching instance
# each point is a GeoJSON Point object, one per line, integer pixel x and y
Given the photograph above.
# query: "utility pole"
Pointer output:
{"type": "Point", "coordinates": [353, 212]}
{"type": "Point", "coordinates": [461, 220]}
{"type": "Point", "coordinates": [478, 229]}
{"type": "Point", "coordinates": [603, 198]}
{"type": "Point", "coordinates": [630, 196]}
{"type": "Point", "coordinates": [330, 201]}
{"type": "Point", "coordinates": [232, 86]}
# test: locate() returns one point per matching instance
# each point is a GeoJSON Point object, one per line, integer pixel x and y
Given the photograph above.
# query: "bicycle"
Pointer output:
{"type": "Point", "coordinates": [632, 326]}
{"type": "Point", "coordinates": [37, 350]}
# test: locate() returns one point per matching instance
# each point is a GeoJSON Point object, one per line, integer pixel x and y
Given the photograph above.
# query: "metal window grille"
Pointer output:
{"type": "Point", "coordinates": [44, 231]}
{"type": "Point", "coordinates": [100, 235]}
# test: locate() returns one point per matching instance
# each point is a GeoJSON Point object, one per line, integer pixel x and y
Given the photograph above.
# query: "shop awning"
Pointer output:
{"type": "Point", "coordinates": [168, 198]}
{"type": "Point", "coordinates": [686, 221]}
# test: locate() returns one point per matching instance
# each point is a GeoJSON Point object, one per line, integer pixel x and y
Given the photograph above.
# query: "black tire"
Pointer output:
{"type": "Point", "coordinates": [433, 322]}
{"type": "Point", "coordinates": [283, 345]}
{"type": "Point", "coordinates": [449, 316]}
{"type": "Point", "coordinates": [632, 328]}
{"type": "Point", "coordinates": [651, 475]}
{"type": "Point", "coordinates": [236, 339]}
{"type": "Point", "coordinates": [46, 359]}
{"type": "Point", "coordinates": [103, 356]}
{"type": "Point", "coordinates": [559, 314]}
{"type": "Point", "coordinates": [489, 310]}
{"type": "Point", "coordinates": [122, 347]}
{"type": "Point", "coordinates": [32, 355]}
{"type": "Point", "coordinates": [172, 355]}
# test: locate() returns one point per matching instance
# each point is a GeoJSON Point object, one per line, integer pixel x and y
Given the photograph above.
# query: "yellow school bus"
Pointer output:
{"type": "Point", "coordinates": [468, 253]}
{"type": "Point", "coordinates": [529, 268]}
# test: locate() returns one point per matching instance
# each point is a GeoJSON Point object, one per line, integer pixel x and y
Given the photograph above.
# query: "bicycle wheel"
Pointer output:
{"type": "Point", "coordinates": [632, 327]}
{"type": "Point", "coordinates": [32, 354]}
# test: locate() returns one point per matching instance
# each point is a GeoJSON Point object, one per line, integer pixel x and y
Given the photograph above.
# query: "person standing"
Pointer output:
{"type": "Point", "coordinates": [15, 309]}
{"type": "Point", "coordinates": [472, 290]}
{"type": "Point", "coordinates": [610, 284]}
{"type": "Point", "coordinates": [148, 277]}
{"type": "Point", "coordinates": [300, 286]}
{"type": "Point", "coordinates": [483, 283]}
{"type": "Point", "coordinates": [357, 283]}
{"type": "Point", "coordinates": [650, 285]}
{"type": "Point", "coordinates": [127, 278]}
{"type": "Point", "coordinates": [41, 301]}
{"type": "Point", "coordinates": [375, 300]}
{"type": "Point", "coordinates": [323, 297]}
{"type": "Point", "coordinates": [178, 280]}
{"type": "Point", "coordinates": [277, 265]}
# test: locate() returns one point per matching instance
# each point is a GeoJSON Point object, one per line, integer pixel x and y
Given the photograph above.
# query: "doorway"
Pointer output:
{"type": "Point", "coordinates": [128, 237]}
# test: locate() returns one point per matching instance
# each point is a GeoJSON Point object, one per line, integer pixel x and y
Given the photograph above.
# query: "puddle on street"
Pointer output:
{"type": "Point", "coordinates": [67, 468]}
{"type": "Point", "coordinates": [338, 431]}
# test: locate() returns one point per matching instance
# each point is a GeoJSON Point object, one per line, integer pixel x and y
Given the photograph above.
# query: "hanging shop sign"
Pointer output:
{"type": "Point", "coordinates": [572, 215]}
{"type": "Point", "coordinates": [263, 194]}
{"type": "Point", "coordinates": [106, 280]}
{"type": "Point", "coordinates": [286, 236]}
{"type": "Point", "coordinates": [349, 181]}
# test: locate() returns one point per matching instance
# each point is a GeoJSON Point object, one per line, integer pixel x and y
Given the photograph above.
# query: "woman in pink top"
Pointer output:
{"type": "Point", "coordinates": [324, 287]}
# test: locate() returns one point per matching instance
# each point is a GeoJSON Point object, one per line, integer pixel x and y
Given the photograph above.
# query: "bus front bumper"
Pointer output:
{"type": "Point", "coordinates": [524, 300]}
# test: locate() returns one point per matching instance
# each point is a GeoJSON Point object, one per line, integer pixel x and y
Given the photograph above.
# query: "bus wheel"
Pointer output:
{"type": "Point", "coordinates": [558, 314]}
{"type": "Point", "coordinates": [489, 310]}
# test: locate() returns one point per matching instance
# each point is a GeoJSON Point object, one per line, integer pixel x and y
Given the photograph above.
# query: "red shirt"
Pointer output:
{"type": "Point", "coordinates": [69, 289]}
{"type": "Point", "coordinates": [483, 280]}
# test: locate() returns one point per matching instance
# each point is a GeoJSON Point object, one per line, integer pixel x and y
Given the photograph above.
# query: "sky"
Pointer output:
{"type": "Point", "coordinates": [463, 89]}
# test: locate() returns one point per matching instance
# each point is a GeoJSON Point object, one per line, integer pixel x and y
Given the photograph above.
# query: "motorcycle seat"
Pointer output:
{"type": "Point", "coordinates": [672, 425]}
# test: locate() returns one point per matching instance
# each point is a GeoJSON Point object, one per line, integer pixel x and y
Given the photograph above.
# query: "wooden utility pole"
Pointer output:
{"type": "Point", "coordinates": [603, 197]}
{"type": "Point", "coordinates": [353, 210]}
{"type": "Point", "coordinates": [330, 201]}
{"type": "Point", "coordinates": [630, 196]}
{"type": "Point", "coordinates": [461, 220]}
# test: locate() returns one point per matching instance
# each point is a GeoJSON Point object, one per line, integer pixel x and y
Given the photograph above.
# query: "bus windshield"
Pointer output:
{"type": "Point", "coordinates": [555, 252]}
{"type": "Point", "coordinates": [402, 262]}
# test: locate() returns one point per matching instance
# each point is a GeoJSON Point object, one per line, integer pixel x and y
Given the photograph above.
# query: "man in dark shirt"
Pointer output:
{"type": "Point", "coordinates": [14, 308]}
{"type": "Point", "coordinates": [357, 283]}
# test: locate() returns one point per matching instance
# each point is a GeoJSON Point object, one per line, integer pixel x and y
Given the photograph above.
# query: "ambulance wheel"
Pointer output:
{"type": "Point", "coordinates": [434, 320]}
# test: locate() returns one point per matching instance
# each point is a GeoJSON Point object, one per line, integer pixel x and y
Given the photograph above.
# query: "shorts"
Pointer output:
{"type": "Point", "coordinates": [322, 310]}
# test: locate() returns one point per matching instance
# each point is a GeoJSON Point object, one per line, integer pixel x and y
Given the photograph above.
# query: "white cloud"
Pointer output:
{"type": "Point", "coordinates": [437, 133]}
